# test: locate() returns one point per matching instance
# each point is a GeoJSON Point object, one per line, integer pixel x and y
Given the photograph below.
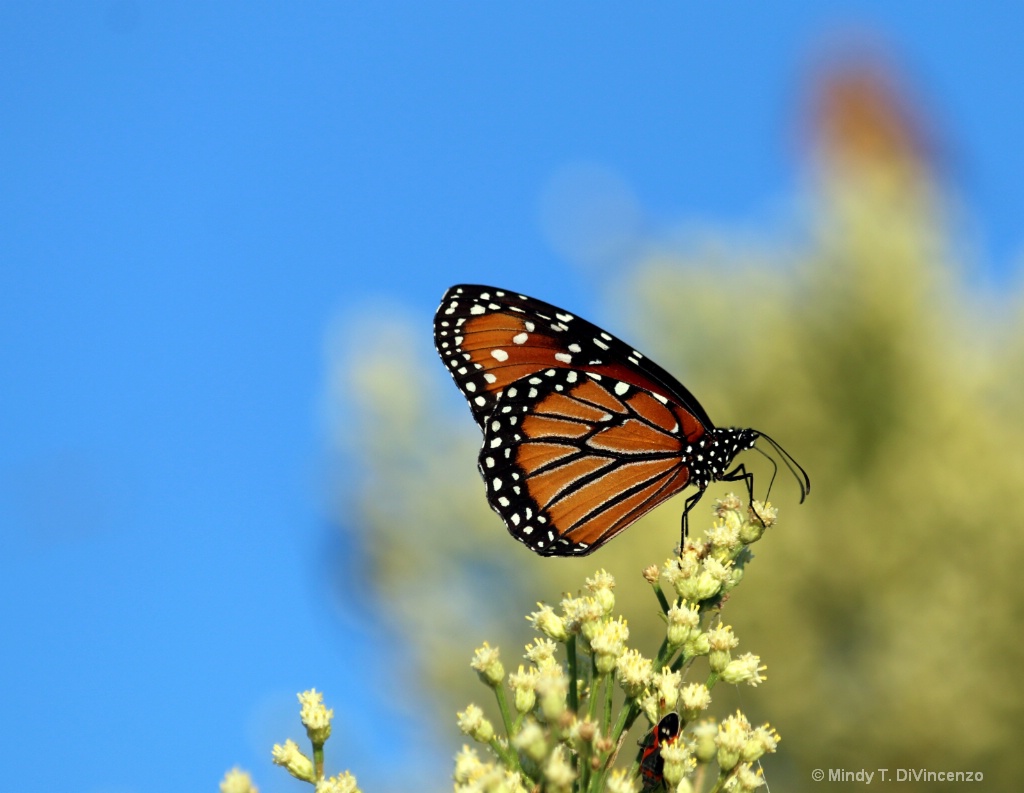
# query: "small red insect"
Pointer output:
{"type": "Point", "coordinates": [651, 763]}
{"type": "Point", "coordinates": [583, 434]}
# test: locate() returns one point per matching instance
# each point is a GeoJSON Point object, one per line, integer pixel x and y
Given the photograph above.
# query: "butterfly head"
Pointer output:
{"type": "Point", "coordinates": [733, 440]}
{"type": "Point", "coordinates": [711, 459]}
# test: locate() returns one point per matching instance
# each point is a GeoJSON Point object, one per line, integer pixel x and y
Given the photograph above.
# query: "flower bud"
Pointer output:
{"type": "Point", "coordinates": [600, 587]}
{"type": "Point", "coordinates": [488, 665]}
{"type": "Point", "coordinates": [608, 643]}
{"type": "Point", "coordinates": [552, 690]}
{"type": "Point", "coordinates": [473, 724]}
{"type": "Point", "coordinates": [342, 783]}
{"type": "Point", "coordinates": [467, 765]}
{"type": "Point", "coordinates": [237, 781]}
{"type": "Point", "coordinates": [695, 699]}
{"type": "Point", "coordinates": [315, 717]}
{"type": "Point", "coordinates": [524, 688]}
{"type": "Point", "coordinates": [666, 688]}
{"type": "Point", "coordinates": [633, 672]}
{"type": "Point", "coordinates": [531, 741]}
{"type": "Point", "coordinates": [678, 762]}
{"type": "Point", "coordinates": [549, 623]}
{"type": "Point", "coordinates": [705, 744]}
{"type": "Point", "coordinates": [291, 758]}
{"type": "Point", "coordinates": [745, 669]}
{"type": "Point", "coordinates": [541, 652]}
{"type": "Point", "coordinates": [683, 618]}
{"type": "Point", "coordinates": [763, 740]}
{"type": "Point", "coordinates": [732, 736]}
{"type": "Point", "coordinates": [558, 773]}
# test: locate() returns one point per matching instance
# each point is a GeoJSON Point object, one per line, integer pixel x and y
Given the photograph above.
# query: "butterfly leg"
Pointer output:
{"type": "Point", "coordinates": [741, 474]}
{"type": "Point", "coordinates": [691, 502]}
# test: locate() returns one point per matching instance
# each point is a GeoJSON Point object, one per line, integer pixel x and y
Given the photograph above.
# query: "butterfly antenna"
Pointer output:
{"type": "Point", "coordinates": [803, 480]}
{"type": "Point", "coordinates": [775, 470]}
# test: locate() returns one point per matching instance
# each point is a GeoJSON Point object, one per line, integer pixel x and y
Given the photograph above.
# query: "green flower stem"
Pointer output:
{"type": "Point", "coordinates": [506, 714]}
{"type": "Point", "coordinates": [720, 782]}
{"type": "Point", "coordinates": [574, 694]}
{"type": "Point", "coordinates": [318, 761]}
{"type": "Point", "coordinates": [628, 715]}
{"type": "Point", "coordinates": [664, 653]}
{"type": "Point", "coordinates": [583, 771]}
{"type": "Point", "coordinates": [626, 718]}
{"type": "Point", "coordinates": [607, 718]}
{"type": "Point", "coordinates": [712, 679]}
{"type": "Point", "coordinates": [698, 778]}
{"type": "Point", "coordinates": [508, 755]}
{"type": "Point", "coordinates": [595, 688]}
{"type": "Point", "coordinates": [661, 596]}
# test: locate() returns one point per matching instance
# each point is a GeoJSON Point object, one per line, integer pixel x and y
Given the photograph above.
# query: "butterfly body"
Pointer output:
{"type": "Point", "coordinates": [652, 764]}
{"type": "Point", "coordinates": [582, 433]}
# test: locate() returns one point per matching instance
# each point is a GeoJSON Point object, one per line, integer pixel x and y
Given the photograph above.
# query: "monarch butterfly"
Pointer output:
{"type": "Point", "coordinates": [651, 762]}
{"type": "Point", "coordinates": [582, 433]}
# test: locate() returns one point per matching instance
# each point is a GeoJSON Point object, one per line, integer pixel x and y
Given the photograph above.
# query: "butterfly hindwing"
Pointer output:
{"type": "Point", "coordinates": [489, 338]}
{"type": "Point", "coordinates": [570, 459]}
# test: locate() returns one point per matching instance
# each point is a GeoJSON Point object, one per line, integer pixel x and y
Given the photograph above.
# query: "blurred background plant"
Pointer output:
{"type": "Point", "coordinates": [889, 603]}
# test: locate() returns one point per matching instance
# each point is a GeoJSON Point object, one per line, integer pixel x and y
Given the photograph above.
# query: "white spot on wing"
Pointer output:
{"type": "Point", "coordinates": [477, 309]}
{"type": "Point", "coordinates": [621, 388]}
{"type": "Point", "coordinates": [564, 357]}
{"type": "Point", "coordinates": [520, 338]}
{"type": "Point", "coordinates": [499, 355]}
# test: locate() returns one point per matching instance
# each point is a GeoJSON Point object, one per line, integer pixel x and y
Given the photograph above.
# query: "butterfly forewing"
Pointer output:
{"type": "Point", "coordinates": [572, 458]}
{"type": "Point", "coordinates": [490, 338]}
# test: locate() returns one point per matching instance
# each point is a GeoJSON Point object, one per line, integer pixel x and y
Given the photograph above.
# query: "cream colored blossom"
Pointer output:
{"type": "Point", "coordinates": [541, 652]}
{"type": "Point", "coordinates": [291, 758]}
{"type": "Point", "coordinates": [733, 734]}
{"type": "Point", "coordinates": [745, 669]}
{"type": "Point", "coordinates": [683, 619]}
{"type": "Point", "coordinates": [665, 685]}
{"type": "Point", "coordinates": [487, 664]}
{"type": "Point", "coordinates": [237, 781]}
{"type": "Point", "coordinates": [549, 623]}
{"type": "Point", "coordinates": [531, 741]}
{"type": "Point", "coordinates": [524, 688]}
{"type": "Point", "coordinates": [552, 690]}
{"type": "Point", "coordinates": [472, 722]}
{"type": "Point", "coordinates": [633, 672]}
{"type": "Point", "coordinates": [315, 717]}
{"type": "Point", "coordinates": [620, 782]}
{"type": "Point", "coordinates": [608, 643]}
{"type": "Point", "coordinates": [600, 587]}
{"type": "Point", "coordinates": [678, 762]}
{"type": "Point", "coordinates": [695, 699]}
{"type": "Point", "coordinates": [468, 765]}
{"type": "Point", "coordinates": [341, 783]}
{"type": "Point", "coordinates": [558, 772]}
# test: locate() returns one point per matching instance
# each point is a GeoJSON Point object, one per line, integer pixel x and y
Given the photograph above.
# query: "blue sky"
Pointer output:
{"type": "Point", "coordinates": [193, 194]}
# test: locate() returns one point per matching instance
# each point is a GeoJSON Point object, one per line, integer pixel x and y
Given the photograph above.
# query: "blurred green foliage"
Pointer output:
{"type": "Point", "coordinates": [888, 607]}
